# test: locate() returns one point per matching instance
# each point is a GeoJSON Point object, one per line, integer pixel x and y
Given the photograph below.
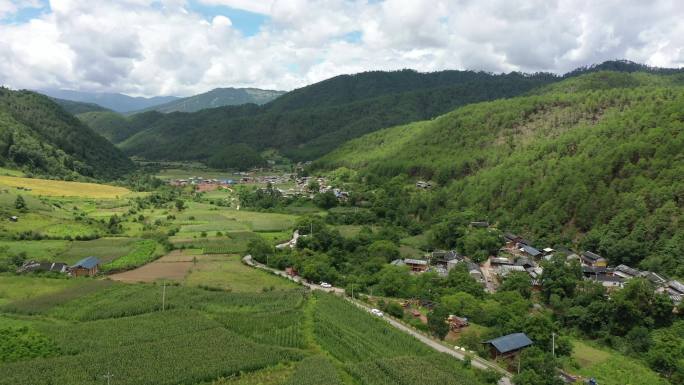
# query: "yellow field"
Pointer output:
{"type": "Point", "coordinates": [62, 188]}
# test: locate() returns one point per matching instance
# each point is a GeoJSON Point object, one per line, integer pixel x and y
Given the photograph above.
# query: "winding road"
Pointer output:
{"type": "Point", "coordinates": [476, 361]}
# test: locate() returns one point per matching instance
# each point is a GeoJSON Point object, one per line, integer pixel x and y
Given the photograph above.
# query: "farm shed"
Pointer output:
{"type": "Point", "coordinates": [508, 345]}
{"type": "Point", "coordinates": [85, 267]}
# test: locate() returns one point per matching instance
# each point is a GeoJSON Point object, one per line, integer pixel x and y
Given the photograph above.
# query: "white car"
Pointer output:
{"type": "Point", "coordinates": [326, 285]}
{"type": "Point", "coordinates": [376, 312]}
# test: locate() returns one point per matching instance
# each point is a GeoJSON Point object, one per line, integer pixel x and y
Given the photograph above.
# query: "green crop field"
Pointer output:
{"type": "Point", "coordinates": [62, 188]}
{"type": "Point", "coordinates": [610, 367]}
{"type": "Point", "coordinates": [229, 273]}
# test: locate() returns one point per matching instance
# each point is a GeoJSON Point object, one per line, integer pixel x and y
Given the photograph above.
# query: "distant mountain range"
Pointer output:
{"type": "Point", "coordinates": [116, 102]}
{"type": "Point", "coordinates": [218, 97]}
{"type": "Point", "coordinates": [78, 102]}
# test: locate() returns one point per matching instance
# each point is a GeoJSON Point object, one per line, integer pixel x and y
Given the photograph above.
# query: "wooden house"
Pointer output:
{"type": "Point", "coordinates": [85, 267]}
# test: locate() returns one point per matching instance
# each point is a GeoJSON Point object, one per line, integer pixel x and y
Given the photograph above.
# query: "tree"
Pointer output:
{"type": "Point", "coordinates": [20, 203]}
{"type": "Point", "coordinates": [437, 321]}
{"type": "Point", "coordinates": [387, 250]}
{"type": "Point", "coordinates": [517, 281]}
{"type": "Point", "coordinates": [326, 200]}
{"type": "Point", "coordinates": [313, 186]}
{"type": "Point", "coordinates": [560, 278]}
{"type": "Point", "coordinates": [259, 249]}
{"type": "Point", "coordinates": [394, 281]}
{"type": "Point", "coordinates": [180, 204]}
{"type": "Point", "coordinates": [460, 280]}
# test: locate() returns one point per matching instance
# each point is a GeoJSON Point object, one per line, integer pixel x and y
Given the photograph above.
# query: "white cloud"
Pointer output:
{"type": "Point", "coordinates": [152, 47]}
{"type": "Point", "coordinates": [255, 6]}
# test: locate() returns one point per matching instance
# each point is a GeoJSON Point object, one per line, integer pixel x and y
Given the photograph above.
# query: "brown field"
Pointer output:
{"type": "Point", "coordinates": [173, 266]}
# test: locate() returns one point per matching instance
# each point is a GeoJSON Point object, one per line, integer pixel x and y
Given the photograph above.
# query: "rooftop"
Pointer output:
{"type": "Point", "coordinates": [87, 263]}
{"type": "Point", "coordinates": [511, 342]}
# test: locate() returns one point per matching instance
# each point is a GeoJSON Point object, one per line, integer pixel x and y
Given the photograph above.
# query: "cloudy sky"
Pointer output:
{"type": "Point", "coordinates": [181, 47]}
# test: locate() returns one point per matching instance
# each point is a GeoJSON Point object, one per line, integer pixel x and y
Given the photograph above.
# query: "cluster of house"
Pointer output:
{"type": "Point", "coordinates": [209, 184]}
{"type": "Point", "coordinates": [302, 187]}
{"type": "Point", "coordinates": [519, 255]}
{"type": "Point", "coordinates": [86, 267]}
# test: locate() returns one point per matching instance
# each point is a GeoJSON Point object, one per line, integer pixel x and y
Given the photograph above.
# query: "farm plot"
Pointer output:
{"type": "Point", "coordinates": [62, 188]}
{"type": "Point", "coordinates": [168, 267]}
{"type": "Point", "coordinates": [227, 272]}
{"type": "Point", "coordinates": [46, 250]}
{"type": "Point", "coordinates": [353, 335]}
{"type": "Point", "coordinates": [19, 288]}
{"type": "Point", "coordinates": [140, 253]}
{"type": "Point", "coordinates": [106, 249]}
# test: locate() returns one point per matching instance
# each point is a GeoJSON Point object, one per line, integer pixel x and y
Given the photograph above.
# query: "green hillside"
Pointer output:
{"type": "Point", "coordinates": [76, 108]}
{"type": "Point", "coordinates": [309, 122]}
{"type": "Point", "coordinates": [218, 97]}
{"type": "Point", "coordinates": [38, 136]}
{"type": "Point", "coordinates": [113, 126]}
{"type": "Point", "coordinates": [597, 159]}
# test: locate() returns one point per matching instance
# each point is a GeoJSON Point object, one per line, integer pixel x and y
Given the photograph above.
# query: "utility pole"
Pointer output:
{"type": "Point", "coordinates": [108, 376]}
{"type": "Point", "coordinates": [164, 297]}
{"type": "Point", "coordinates": [553, 344]}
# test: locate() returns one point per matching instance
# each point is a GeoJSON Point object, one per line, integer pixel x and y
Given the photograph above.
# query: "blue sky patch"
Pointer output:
{"type": "Point", "coordinates": [247, 23]}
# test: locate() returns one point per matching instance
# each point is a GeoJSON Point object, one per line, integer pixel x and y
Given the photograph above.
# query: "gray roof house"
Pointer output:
{"type": "Point", "coordinates": [509, 344]}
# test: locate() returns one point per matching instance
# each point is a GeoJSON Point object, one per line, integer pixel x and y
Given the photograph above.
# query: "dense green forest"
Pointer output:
{"type": "Point", "coordinates": [309, 122]}
{"type": "Point", "coordinates": [595, 161]}
{"type": "Point", "coordinates": [39, 137]}
{"type": "Point", "coordinates": [76, 108]}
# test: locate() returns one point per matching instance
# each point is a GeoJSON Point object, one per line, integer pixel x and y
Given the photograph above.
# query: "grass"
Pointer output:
{"type": "Point", "coordinates": [271, 376]}
{"type": "Point", "coordinates": [19, 288]}
{"type": "Point", "coordinates": [106, 249]}
{"type": "Point", "coordinates": [36, 250]}
{"type": "Point", "coordinates": [610, 367]}
{"type": "Point", "coordinates": [229, 273]}
{"type": "Point", "coordinates": [62, 188]}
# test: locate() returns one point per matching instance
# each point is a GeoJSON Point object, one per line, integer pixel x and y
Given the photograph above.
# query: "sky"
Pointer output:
{"type": "Point", "coordinates": [184, 47]}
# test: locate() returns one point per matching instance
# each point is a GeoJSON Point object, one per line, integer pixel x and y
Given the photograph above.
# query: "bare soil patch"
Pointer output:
{"type": "Point", "coordinates": [173, 266]}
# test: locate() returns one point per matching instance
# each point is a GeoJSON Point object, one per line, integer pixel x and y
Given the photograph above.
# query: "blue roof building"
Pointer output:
{"type": "Point", "coordinates": [509, 344]}
{"type": "Point", "coordinates": [86, 266]}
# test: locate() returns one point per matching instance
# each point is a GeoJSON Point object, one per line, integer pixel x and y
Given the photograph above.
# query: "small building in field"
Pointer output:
{"type": "Point", "coordinates": [14, 218]}
{"type": "Point", "coordinates": [85, 267]}
{"type": "Point", "coordinates": [592, 259]}
{"type": "Point", "coordinates": [508, 345]}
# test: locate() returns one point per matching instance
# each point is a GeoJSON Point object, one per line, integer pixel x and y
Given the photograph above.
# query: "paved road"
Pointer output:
{"type": "Point", "coordinates": [475, 360]}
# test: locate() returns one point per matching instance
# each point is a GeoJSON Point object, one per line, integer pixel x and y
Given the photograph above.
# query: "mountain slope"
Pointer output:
{"type": "Point", "coordinates": [76, 108]}
{"type": "Point", "coordinates": [218, 97]}
{"type": "Point", "coordinates": [37, 135]}
{"type": "Point", "coordinates": [309, 122]}
{"type": "Point", "coordinates": [597, 159]}
{"type": "Point", "coordinates": [112, 101]}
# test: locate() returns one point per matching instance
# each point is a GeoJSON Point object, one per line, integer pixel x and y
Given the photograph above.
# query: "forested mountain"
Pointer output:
{"type": "Point", "coordinates": [218, 97]}
{"type": "Point", "coordinates": [76, 108]}
{"type": "Point", "coordinates": [40, 137]}
{"type": "Point", "coordinates": [112, 101]}
{"type": "Point", "coordinates": [309, 122]}
{"type": "Point", "coordinates": [596, 159]}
